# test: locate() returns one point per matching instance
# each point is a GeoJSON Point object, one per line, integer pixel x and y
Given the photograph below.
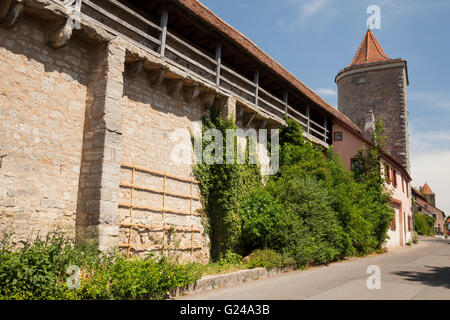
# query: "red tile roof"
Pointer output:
{"type": "Point", "coordinates": [426, 189]}
{"type": "Point", "coordinates": [201, 11]}
{"type": "Point", "coordinates": [369, 51]}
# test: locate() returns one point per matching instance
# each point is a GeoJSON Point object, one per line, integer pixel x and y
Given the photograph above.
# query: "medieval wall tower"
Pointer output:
{"type": "Point", "coordinates": [374, 83]}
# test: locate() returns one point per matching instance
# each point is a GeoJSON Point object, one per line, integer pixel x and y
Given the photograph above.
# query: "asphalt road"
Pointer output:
{"type": "Point", "coordinates": [421, 271]}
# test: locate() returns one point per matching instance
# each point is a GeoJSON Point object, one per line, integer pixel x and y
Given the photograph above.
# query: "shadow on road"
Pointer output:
{"type": "Point", "coordinates": [436, 277]}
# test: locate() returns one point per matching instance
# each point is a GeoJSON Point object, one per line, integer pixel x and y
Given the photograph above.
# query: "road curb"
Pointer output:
{"type": "Point", "coordinates": [224, 280]}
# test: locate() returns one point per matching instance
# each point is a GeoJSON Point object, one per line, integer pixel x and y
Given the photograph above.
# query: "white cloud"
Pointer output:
{"type": "Point", "coordinates": [310, 8]}
{"type": "Point", "coordinates": [429, 141]}
{"type": "Point", "coordinates": [436, 100]}
{"type": "Point", "coordinates": [326, 92]}
{"type": "Point", "coordinates": [433, 168]}
{"type": "Point", "coordinates": [304, 10]}
{"type": "Point", "coordinates": [430, 162]}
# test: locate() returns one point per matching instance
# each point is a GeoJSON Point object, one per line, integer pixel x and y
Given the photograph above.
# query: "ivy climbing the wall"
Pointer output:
{"type": "Point", "coordinates": [222, 188]}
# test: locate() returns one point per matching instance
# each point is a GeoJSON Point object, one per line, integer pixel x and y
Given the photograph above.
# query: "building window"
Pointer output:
{"type": "Point", "coordinates": [362, 80]}
{"type": "Point", "coordinates": [394, 177]}
{"type": "Point", "coordinates": [409, 223]}
{"type": "Point", "coordinates": [356, 167]}
{"type": "Point", "coordinates": [392, 225]}
{"type": "Point", "coordinates": [387, 173]}
{"type": "Point", "coordinates": [338, 136]}
{"type": "Point", "coordinates": [403, 185]}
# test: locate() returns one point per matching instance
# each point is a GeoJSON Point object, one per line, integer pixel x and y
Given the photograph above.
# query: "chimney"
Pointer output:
{"type": "Point", "coordinates": [369, 125]}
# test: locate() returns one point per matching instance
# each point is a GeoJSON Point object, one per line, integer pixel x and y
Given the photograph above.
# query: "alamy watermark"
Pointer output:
{"type": "Point", "coordinates": [374, 280]}
{"type": "Point", "coordinates": [374, 20]}
{"type": "Point", "coordinates": [74, 279]}
{"type": "Point", "coordinates": [238, 146]}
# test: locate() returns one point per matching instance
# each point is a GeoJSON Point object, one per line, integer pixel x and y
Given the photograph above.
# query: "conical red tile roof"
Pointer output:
{"type": "Point", "coordinates": [369, 51]}
{"type": "Point", "coordinates": [426, 189]}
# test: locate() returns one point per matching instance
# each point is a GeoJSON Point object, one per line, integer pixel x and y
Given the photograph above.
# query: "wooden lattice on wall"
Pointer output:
{"type": "Point", "coordinates": [164, 209]}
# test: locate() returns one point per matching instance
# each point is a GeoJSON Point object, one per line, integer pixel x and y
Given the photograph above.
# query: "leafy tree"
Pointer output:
{"type": "Point", "coordinates": [424, 224]}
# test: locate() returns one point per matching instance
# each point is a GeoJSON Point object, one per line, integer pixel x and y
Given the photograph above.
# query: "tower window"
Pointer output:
{"type": "Point", "coordinates": [362, 80]}
{"type": "Point", "coordinates": [338, 136]}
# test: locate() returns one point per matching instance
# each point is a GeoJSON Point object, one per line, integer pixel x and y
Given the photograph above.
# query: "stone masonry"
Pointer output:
{"type": "Point", "coordinates": [74, 108]}
{"type": "Point", "coordinates": [100, 165]}
{"type": "Point", "coordinates": [382, 90]}
{"type": "Point", "coordinates": [42, 110]}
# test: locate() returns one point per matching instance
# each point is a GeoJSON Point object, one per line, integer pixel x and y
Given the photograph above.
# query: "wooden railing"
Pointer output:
{"type": "Point", "coordinates": [158, 39]}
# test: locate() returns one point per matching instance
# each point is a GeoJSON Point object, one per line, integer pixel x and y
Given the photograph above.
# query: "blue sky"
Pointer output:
{"type": "Point", "coordinates": [314, 39]}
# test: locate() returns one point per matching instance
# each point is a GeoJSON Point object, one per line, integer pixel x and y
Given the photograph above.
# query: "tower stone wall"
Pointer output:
{"type": "Point", "coordinates": [380, 88]}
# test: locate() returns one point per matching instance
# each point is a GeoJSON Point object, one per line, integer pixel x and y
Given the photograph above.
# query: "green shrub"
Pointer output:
{"type": "Point", "coordinates": [135, 278]}
{"type": "Point", "coordinates": [268, 259]}
{"type": "Point", "coordinates": [38, 271]}
{"type": "Point", "coordinates": [263, 221]}
{"type": "Point", "coordinates": [424, 224]}
{"type": "Point", "coordinates": [314, 236]}
{"type": "Point", "coordinates": [315, 210]}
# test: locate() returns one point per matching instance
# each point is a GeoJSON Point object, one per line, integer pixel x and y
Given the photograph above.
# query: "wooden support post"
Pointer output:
{"type": "Point", "coordinates": [190, 207]}
{"type": "Point", "coordinates": [157, 77]}
{"type": "Point", "coordinates": [286, 97]}
{"type": "Point", "coordinates": [192, 93]}
{"type": "Point", "coordinates": [192, 239]}
{"type": "Point", "coordinates": [163, 237]}
{"type": "Point", "coordinates": [263, 124]}
{"type": "Point", "coordinates": [13, 14]}
{"type": "Point", "coordinates": [250, 121]}
{"type": "Point", "coordinates": [308, 115]}
{"type": "Point", "coordinates": [135, 69]}
{"type": "Point", "coordinates": [256, 87]}
{"type": "Point", "coordinates": [164, 196]}
{"type": "Point", "coordinates": [207, 99]}
{"type": "Point", "coordinates": [325, 125]}
{"type": "Point", "coordinates": [175, 88]}
{"type": "Point", "coordinates": [163, 36]}
{"type": "Point", "coordinates": [219, 62]}
{"type": "Point", "coordinates": [131, 210]}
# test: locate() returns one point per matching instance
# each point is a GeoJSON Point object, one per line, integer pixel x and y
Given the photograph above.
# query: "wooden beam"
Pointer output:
{"type": "Point", "coordinates": [308, 116]}
{"type": "Point", "coordinates": [157, 77]}
{"type": "Point", "coordinates": [207, 99]}
{"type": "Point", "coordinates": [163, 36]}
{"type": "Point", "coordinates": [219, 62]}
{"type": "Point", "coordinates": [135, 69]}
{"type": "Point", "coordinates": [256, 87]}
{"type": "Point", "coordinates": [192, 93]}
{"type": "Point", "coordinates": [286, 98]}
{"type": "Point", "coordinates": [12, 16]}
{"type": "Point", "coordinates": [263, 124]}
{"type": "Point", "coordinates": [247, 121]}
{"type": "Point", "coordinates": [175, 87]}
